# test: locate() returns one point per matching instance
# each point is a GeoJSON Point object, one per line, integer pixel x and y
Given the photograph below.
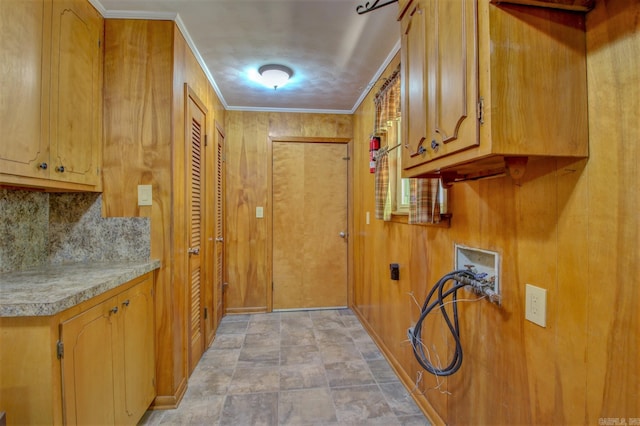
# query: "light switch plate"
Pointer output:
{"type": "Point", "coordinates": [259, 212]}
{"type": "Point", "coordinates": [536, 305]}
{"type": "Point", "coordinates": [144, 195]}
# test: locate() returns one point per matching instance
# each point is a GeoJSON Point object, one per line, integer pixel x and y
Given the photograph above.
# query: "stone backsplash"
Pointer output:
{"type": "Point", "coordinates": [38, 228]}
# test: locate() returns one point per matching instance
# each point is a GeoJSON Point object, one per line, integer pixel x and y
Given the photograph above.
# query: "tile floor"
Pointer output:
{"type": "Point", "coordinates": [293, 368]}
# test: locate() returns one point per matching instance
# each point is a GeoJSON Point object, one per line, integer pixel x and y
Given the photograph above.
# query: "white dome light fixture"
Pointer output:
{"type": "Point", "coordinates": [274, 75]}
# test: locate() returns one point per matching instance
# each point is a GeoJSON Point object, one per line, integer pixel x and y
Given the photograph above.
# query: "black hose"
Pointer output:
{"type": "Point", "coordinates": [454, 328]}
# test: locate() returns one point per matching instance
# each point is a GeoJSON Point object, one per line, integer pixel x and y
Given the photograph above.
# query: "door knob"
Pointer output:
{"type": "Point", "coordinates": [195, 251]}
{"type": "Point", "coordinates": [343, 234]}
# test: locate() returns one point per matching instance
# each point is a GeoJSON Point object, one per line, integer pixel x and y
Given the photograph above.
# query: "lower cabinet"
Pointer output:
{"type": "Point", "coordinates": [93, 363]}
{"type": "Point", "coordinates": [108, 372]}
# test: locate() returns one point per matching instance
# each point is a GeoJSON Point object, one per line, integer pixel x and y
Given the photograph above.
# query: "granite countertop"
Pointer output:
{"type": "Point", "coordinates": [53, 288]}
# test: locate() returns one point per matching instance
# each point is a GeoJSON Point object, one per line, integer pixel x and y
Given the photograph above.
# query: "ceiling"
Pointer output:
{"type": "Point", "coordinates": [336, 54]}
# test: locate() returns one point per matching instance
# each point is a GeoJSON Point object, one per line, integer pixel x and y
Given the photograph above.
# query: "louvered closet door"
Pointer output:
{"type": "Point", "coordinates": [195, 165]}
{"type": "Point", "coordinates": [218, 298]}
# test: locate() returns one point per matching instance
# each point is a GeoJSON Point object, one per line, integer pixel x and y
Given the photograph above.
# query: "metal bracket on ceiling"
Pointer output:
{"type": "Point", "coordinates": [369, 6]}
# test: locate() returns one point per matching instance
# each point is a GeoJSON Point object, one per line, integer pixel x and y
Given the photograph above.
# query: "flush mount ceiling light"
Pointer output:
{"type": "Point", "coordinates": [274, 75]}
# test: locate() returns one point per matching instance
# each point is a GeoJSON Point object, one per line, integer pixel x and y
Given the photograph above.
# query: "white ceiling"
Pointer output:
{"type": "Point", "coordinates": [335, 53]}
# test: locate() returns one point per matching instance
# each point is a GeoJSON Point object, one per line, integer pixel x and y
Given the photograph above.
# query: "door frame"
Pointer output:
{"type": "Point", "coordinates": [269, 208]}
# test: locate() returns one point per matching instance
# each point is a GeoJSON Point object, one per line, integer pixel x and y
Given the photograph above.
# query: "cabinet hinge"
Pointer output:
{"type": "Point", "coordinates": [60, 349]}
{"type": "Point", "coordinates": [206, 140]}
{"type": "Point", "coordinates": [206, 313]}
{"type": "Point", "coordinates": [481, 111]}
{"type": "Point", "coordinates": [346, 158]}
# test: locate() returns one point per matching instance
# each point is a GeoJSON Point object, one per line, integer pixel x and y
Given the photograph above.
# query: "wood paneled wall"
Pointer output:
{"type": "Point", "coordinates": [570, 227]}
{"type": "Point", "coordinates": [145, 145]}
{"type": "Point", "coordinates": [247, 157]}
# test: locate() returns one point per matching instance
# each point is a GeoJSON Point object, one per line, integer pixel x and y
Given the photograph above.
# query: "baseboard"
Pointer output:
{"type": "Point", "coordinates": [168, 402]}
{"type": "Point", "coordinates": [424, 405]}
{"type": "Point", "coordinates": [252, 310]}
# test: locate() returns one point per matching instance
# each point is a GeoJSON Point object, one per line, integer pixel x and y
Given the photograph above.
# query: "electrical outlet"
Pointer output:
{"type": "Point", "coordinates": [536, 305]}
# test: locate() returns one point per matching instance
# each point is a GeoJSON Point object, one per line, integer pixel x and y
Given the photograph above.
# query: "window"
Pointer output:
{"type": "Point", "coordinates": [399, 186]}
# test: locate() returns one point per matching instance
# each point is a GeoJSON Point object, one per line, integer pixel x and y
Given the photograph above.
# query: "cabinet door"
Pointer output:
{"type": "Point", "coordinates": [452, 88]}
{"type": "Point", "coordinates": [24, 28]}
{"type": "Point", "coordinates": [76, 84]}
{"type": "Point", "coordinates": [138, 352]}
{"type": "Point", "coordinates": [87, 369]}
{"type": "Point", "coordinates": [414, 72]}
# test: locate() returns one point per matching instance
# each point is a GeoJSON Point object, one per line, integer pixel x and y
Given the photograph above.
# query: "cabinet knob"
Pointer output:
{"type": "Point", "coordinates": [435, 145]}
{"type": "Point", "coordinates": [60, 169]}
{"type": "Point", "coordinates": [195, 251]}
{"type": "Point", "coordinates": [113, 310]}
{"type": "Point", "coordinates": [125, 303]}
{"type": "Point", "coordinates": [43, 166]}
{"type": "Point", "coordinates": [421, 149]}
{"type": "Point", "coordinates": [219, 239]}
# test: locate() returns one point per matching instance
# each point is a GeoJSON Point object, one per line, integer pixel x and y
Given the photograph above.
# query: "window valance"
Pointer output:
{"type": "Point", "coordinates": [387, 103]}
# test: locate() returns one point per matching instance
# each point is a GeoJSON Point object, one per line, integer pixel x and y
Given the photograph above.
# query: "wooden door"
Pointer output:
{"type": "Point", "coordinates": [414, 75]}
{"type": "Point", "coordinates": [218, 298]}
{"type": "Point", "coordinates": [24, 30]}
{"type": "Point", "coordinates": [89, 341]}
{"type": "Point", "coordinates": [76, 92]}
{"type": "Point", "coordinates": [138, 352]}
{"type": "Point", "coordinates": [309, 216]}
{"type": "Point", "coordinates": [195, 123]}
{"type": "Point", "coordinates": [452, 79]}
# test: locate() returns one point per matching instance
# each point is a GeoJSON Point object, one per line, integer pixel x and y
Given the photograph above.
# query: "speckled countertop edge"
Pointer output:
{"type": "Point", "coordinates": [51, 289]}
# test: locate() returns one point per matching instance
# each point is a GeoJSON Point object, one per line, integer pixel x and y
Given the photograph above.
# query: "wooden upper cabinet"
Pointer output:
{"type": "Point", "coordinates": [51, 94]}
{"type": "Point", "coordinates": [24, 32]}
{"type": "Point", "coordinates": [76, 87]}
{"type": "Point", "coordinates": [574, 5]}
{"type": "Point", "coordinates": [414, 80]}
{"type": "Point", "coordinates": [402, 7]}
{"type": "Point", "coordinates": [441, 44]}
{"type": "Point", "coordinates": [504, 84]}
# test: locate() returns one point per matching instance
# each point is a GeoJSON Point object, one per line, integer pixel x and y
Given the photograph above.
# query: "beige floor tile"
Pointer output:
{"type": "Point", "coordinates": [302, 376]}
{"type": "Point", "coordinates": [311, 406]}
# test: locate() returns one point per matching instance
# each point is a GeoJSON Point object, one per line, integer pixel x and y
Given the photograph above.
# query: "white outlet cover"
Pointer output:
{"type": "Point", "coordinates": [259, 212]}
{"type": "Point", "coordinates": [536, 305]}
